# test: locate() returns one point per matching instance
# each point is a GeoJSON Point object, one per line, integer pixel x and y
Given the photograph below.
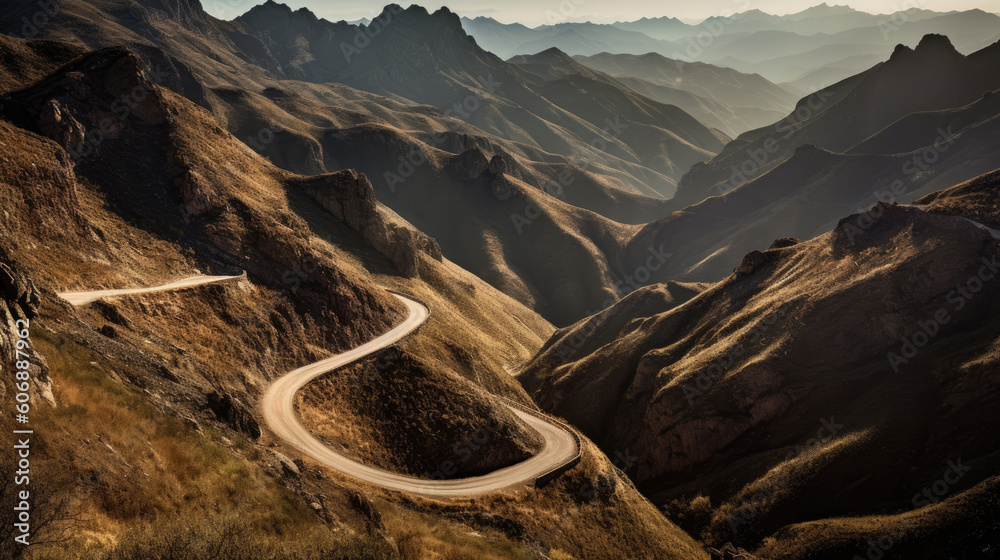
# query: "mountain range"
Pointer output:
{"type": "Point", "coordinates": [761, 313]}
{"type": "Point", "coordinates": [803, 51]}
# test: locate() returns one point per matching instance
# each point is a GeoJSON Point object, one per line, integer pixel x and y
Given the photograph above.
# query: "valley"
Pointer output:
{"type": "Point", "coordinates": [282, 283]}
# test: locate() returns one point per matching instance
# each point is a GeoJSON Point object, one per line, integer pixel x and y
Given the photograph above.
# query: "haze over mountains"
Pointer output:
{"type": "Point", "coordinates": [806, 50]}
{"type": "Point", "coordinates": [756, 285]}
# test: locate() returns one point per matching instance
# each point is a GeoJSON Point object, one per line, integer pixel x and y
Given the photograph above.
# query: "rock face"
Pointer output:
{"type": "Point", "coordinates": [91, 99]}
{"type": "Point", "coordinates": [350, 197]}
{"type": "Point", "coordinates": [498, 165]}
{"type": "Point", "coordinates": [56, 122]}
{"type": "Point", "coordinates": [234, 413]}
{"type": "Point", "coordinates": [97, 99]}
{"type": "Point", "coordinates": [470, 164]}
{"type": "Point", "coordinates": [20, 300]}
{"type": "Point", "coordinates": [195, 195]}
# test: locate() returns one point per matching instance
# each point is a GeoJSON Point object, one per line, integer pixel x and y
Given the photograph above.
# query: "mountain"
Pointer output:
{"type": "Point", "coordinates": [799, 407]}
{"type": "Point", "coordinates": [578, 204]}
{"type": "Point", "coordinates": [579, 90]}
{"type": "Point", "coordinates": [779, 48]}
{"type": "Point", "coordinates": [507, 40]}
{"type": "Point", "coordinates": [857, 143]}
{"type": "Point", "coordinates": [932, 76]}
{"type": "Point", "coordinates": [780, 53]}
{"type": "Point", "coordinates": [665, 27]}
{"type": "Point", "coordinates": [490, 94]}
{"type": "Point", "coordinates": [751, 99]}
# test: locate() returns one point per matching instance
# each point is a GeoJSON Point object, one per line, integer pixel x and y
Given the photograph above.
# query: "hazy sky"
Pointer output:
{"type": "Point", "coordinates": [535, 12]}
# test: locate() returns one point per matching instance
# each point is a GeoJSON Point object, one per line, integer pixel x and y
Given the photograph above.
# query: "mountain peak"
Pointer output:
{"type": "Point", "coordinates": [930, 45]}
{"type": "Point", "coordinates": [553, 52]}
{"type": "Point", "coordinates": [419, 15]}
{"type": "Point", "coordinates": [828, 9]}
{"type": "Point", "coordinates": [935, 42]}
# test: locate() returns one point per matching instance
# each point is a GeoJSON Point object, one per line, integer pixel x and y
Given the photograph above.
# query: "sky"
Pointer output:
{"type": "Point", "coordinates": [537, 12]}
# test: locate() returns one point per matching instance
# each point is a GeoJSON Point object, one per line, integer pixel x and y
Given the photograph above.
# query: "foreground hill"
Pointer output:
{"type": "Point", "coordinates": [802, 405]}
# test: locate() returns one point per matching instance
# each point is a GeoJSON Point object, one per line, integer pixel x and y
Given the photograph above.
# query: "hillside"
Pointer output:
{"type": "Point", "coordinates": [772, 393]}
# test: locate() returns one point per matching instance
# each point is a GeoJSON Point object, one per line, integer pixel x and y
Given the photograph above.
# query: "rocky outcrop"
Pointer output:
{"type": "Point", "coordinates": [234, 413]}
{"type": "Point", "coordinates": [502, 186]}
{"type": "Point", "coordinates": [195, 194]}
{"type": "Point", "coordinates": [470, 164]}
{"type": "Point", "coordinates": [56, 122]}
{"type": "Point", "coordinates": [92, 100]}
{"type": "Point", "coordinates": [128, 82]}
{"type": "Point", "coordinates": [350, 197]}
{"type": "Point", "coordinates": [20, 301]}
{"type": "Point", "coordinates": [498, 165]}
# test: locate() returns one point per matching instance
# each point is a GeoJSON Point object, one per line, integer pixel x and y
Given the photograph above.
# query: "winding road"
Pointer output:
{"type": "Point", "coordinates": [83, 298]}
{"type": "Point", "coordinates": [560, 445]}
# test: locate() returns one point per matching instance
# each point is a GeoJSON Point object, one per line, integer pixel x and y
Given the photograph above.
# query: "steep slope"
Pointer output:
{"type": "Point", "coordinates": [783, 46]}
{"type": "Point", "coordinates": [821, 382]}
{"type": "Point", "coordinates": [804, 195]}
{"type": "Point", "coordinates": [732, 122]}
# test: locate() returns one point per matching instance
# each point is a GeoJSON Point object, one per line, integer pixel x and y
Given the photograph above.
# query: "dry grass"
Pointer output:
{"type": "Point", "coordinates": [438, 425]}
